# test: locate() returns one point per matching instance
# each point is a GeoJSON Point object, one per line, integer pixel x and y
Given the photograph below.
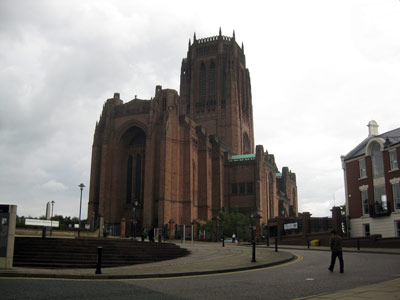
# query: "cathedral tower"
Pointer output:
{"type": "Point", "coordinates": [216, 91]}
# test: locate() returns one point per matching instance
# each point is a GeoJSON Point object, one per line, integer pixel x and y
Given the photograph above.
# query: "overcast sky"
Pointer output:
{"type": "Point", "coordinates": [320, 71]}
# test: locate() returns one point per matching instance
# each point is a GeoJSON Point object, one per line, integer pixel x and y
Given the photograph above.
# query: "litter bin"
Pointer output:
{"type": "Point", "coordinates": [314, 243]}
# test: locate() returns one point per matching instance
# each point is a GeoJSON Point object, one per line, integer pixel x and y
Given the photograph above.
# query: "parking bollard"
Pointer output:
{"type": "Point", "coordinates": [276, 244]}
{"type": "Point", "coordinates": [358, 244]}
{"type": "Point", "coordinates": [99, 254]}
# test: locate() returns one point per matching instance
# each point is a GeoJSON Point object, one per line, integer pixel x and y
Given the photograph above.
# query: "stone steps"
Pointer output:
{"type": "Point", "coordinates": [82, 252]}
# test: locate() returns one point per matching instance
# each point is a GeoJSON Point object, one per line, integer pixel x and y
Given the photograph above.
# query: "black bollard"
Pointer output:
{"type": "Point", "coordinates": [308, 244]}
{"type": "Point", "coordinates": [43, 232]}
{"type": "Point", "coordinates": [99, 253]}
{"type": "Point", "coordinates": [253, 257]}
{"type": "Point", "coordinates": [267, 241]}
{"type": "Point", "coordinates": [223, 242]}
{"type": "Point", "coordinates": [159, 238]}
{"type": "Point", "coordinates": [276, 244]}
{"type": "Point", "coordinates": [358, 244]}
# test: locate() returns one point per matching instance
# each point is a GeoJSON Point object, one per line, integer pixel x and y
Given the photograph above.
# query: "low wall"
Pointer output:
{"type": "Point", "coordinates": [55, 233]}
{"type": "Point", "coordinates": [372, 241]}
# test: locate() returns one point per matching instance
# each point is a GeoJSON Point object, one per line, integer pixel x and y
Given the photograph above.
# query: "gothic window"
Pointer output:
{"type": "Point", "coordinates": [138, 178]}
{"type": "Point", "coordinates": [246, 144]}
{"type": "Point", "coordinates": [211, 84]}
{"type": "Point", "coordinates": [243, 91]}
{"type": "Point", "coordinates": [129, 180]}
{"type": "Point", "coordinates": [249, 188]}
{"type": "Point", "coordinates": [234, 188]}
{"type": "Point", "coordinates": [202, 83]}
{"type": "Point", "coordinates": [271, 195]}
{"type": "Point", "coordinates": [242, 187]}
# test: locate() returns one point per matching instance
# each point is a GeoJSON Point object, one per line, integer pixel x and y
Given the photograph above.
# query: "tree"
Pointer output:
{"type": "Point", "coordinates": [234, 223]}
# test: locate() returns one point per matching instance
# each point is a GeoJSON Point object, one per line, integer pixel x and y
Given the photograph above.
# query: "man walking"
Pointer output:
{"type": "Point", "coordinates": [336, 248]}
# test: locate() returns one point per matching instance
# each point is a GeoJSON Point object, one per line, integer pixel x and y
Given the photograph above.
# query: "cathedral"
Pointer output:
{"type": "Point", "coordinates": [179, 159]}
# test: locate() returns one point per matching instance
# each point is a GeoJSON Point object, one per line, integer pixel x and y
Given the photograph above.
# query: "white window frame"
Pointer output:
{"type": "Point", "coordinates": [394, 165]}
{"type": "Point", "coordinates": [362, 168]}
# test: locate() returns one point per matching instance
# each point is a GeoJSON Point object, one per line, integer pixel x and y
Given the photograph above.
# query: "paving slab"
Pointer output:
{"type": "Point", "coordinates": [205, 258]}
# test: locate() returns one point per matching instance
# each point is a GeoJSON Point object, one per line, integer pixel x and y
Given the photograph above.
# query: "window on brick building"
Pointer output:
{"type": "Point", "coordinates": [366, 230]}
{"type": "Point", "coordinates": [396, 195]}
{"type": "Point", "coordinates": [249, 188]}
{"type": "Point", "coordinates": [363, 170]}
{"type": "Point", "coordinates": [381, 204]}
{"type": "Point", "coordinates": [393, 160]}
{"type": "Point", "coordinates": [242, 188]}
{"type": "Point", "coordinates": [397, 227]}
{"type": "Point", "coordinates": [364, 200]}
{"type": "Point", "coordinates": [234, 188]}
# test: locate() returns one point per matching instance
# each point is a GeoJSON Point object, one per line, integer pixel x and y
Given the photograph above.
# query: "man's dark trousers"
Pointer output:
{"type": "Point", "coordinates": [339, 255]}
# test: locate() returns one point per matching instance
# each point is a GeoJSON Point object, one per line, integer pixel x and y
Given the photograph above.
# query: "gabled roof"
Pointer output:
{"type": "Point", "coordinates": [391, 138]}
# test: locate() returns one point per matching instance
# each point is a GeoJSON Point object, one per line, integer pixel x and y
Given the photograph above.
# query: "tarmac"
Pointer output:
{"type": "Point", "coordinates": [212, 258]}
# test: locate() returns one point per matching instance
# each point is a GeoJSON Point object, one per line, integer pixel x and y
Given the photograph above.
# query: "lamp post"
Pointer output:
{"type": "Point", "coordinates": [51, 219]}
{"type": "Point", "coordinates": [253, 242]}
{"type": "Point", "coordinates": [81, 186]}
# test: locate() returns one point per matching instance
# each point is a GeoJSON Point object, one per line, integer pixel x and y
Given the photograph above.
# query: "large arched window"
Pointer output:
{"type": "Point", "coordinates": [380, 197]}
{"type": "Point", "coordinates": [129, 180]}
{"type": "Point", "coordinates": [138, 178]}
{"type": "Point", "coordinates": [134, 140]}
{"type": "Point", "coordinates": [377, 160]}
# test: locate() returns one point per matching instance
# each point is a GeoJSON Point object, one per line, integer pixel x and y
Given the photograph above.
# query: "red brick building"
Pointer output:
{"type": "Point", "coordinates": [372, 178]}
{"type": "Point", "coordinates": [179, 159]}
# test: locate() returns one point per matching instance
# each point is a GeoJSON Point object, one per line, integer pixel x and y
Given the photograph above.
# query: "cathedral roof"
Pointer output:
{"type": "Point", "coordinates": [243, 157]}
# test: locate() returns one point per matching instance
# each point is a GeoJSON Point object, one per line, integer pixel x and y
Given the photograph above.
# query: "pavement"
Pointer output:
{"type": "Point", "coordinates": [212, 258]}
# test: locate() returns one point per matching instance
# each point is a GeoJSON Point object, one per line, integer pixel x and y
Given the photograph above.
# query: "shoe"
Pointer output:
{"type": "Point", "coordinates": [342, 271]}
{"type": "Point", "coordinates": [330, 269]}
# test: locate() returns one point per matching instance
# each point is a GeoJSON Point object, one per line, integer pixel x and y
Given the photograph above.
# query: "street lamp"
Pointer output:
{"type": "Point", "coordinates": [51, 219]}
{"type": "Point", "coordinates": [81, 186]}
{"type": "Point", "coordinates": [253, 242]}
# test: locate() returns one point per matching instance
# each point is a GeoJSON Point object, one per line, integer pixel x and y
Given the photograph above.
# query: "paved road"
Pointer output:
{"type": "Point", "coordinates": [306, 277]}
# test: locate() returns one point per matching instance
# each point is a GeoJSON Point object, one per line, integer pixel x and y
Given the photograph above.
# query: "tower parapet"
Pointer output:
{"type": "Point", "coordinates": [216, 91]}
